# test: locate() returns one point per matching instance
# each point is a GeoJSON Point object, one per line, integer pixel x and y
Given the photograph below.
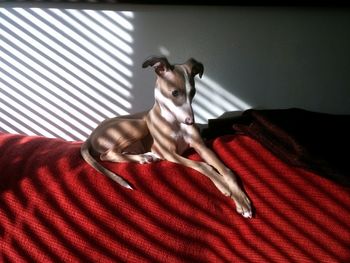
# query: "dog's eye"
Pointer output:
{"type": "Point", "coordinates": [175, 93]}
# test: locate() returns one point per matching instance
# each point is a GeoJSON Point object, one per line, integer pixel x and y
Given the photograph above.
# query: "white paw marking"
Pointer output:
{"type": "Point", "coordinates": [149, 157]}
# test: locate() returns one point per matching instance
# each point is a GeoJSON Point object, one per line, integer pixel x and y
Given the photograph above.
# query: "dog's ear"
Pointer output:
{"type": "Point", "coordinates": [160, 64]}
{"type": "Point", "coordinates": [195, 67]}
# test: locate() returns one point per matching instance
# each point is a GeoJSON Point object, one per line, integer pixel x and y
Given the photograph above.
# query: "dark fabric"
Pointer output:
{"type": "Point", "coordinates": [312, 140]}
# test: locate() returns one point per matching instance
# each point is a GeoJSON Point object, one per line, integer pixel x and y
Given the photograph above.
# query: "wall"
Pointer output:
{"type": "Point", "coordinates": [64, 70]}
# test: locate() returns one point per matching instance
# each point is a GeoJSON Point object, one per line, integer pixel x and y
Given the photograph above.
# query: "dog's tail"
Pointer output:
{"type": "Point", "coordinates": [85, 153]}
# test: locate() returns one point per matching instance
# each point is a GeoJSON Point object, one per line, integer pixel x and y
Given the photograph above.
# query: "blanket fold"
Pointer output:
{"type": "Point", "coordinates": [316, 141]}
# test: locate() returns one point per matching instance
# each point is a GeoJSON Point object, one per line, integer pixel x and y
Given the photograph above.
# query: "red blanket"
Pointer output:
{"type": "Point", "coordinates": [56, 208]}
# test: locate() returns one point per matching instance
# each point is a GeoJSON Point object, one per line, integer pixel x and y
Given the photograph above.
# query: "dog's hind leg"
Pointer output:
{"type": "Point", "coordinates": [113, 156]}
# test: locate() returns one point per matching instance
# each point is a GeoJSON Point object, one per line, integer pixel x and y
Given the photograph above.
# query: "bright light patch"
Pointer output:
{"type": "Point", "coordinates": [56, 95]}
{"type": "Point", "coordinates": [124, 22]}
{"type": "Point", "coordinates": [223, 93]}
{"type": "Point", "coordinates": [98, 37]}
{"type": "Point", "coordinates": [200, 113]}
{"type": "Point", "coordinates": [164, 51]}
{"type": "Point", "coordinates": [65, 80]}
{"type": "Point", "coordinates": [128, 14]}
{"type": "Point", "coordinates": [35, 108]}
{"type": "Point", "coordinates": [60, 71]}
{"type": "Point", "coordinates": [23, 119]}
{"type": "Point", "coordinates": [63, 71]}
{"type": "Point", "coordinates": [74, 41]}
{"type": "Point", "coordinates": [83, 18]}
{"type": "Point", "coordinates": [212, 100]}
{"type": "Point", "coordinates": [61, 45]}
{"type": "Point", "coordinates": [38, 121]}
{"type": "Point", "coordinates": [113, 30]}
{"type": "Point", "coordinates": [49, 104]}
{"type": "Point", "coordinates": [7, 117]}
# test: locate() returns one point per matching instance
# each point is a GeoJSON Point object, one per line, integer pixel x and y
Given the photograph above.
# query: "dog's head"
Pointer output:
{"type": "Point", "coordinates": [175, 87]}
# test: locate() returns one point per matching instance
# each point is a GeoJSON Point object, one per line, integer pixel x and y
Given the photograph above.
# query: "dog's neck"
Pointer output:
{"type": "Point", "coordinates": [164, 124]}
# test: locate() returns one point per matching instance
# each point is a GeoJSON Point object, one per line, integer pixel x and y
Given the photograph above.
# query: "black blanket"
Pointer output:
{"type": "Point", "coordinates": [316, 141]}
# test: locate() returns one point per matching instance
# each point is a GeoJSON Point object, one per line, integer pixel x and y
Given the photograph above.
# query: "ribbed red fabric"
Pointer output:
{"type": "Point", "coordinates": [56, 208]}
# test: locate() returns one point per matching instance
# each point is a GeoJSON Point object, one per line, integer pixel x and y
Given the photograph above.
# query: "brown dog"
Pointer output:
{"type": "Point", "coordinates": [163, 133]}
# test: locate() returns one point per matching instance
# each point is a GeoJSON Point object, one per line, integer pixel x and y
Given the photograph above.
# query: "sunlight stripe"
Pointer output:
{"type": "Point", "coordinates": [99, 59]}
{"type": "Point", "coordinates": [21, 128]}
{"type": "Point", "coordinates": [41, 122]}
{"type": "Point", "coordinates": [212, 95]}
{"type": "Point", "coordinates": [48, 95]}
{"type": "Point", "coordinates": [68, 76]}
{"type": "Point", "coordinates": [5, 128]}
{"type": "Point", "coordinates": [63, 70]}
{"type": "Point", "coordinates": [94, 36]}
{"type": "Point", "coordinates": [24, 120]}
{"type": "Point", "coordinates": [201, 113]}
{"type": "Point", "coordinates": [82, 17]}
{"type": "Point", "coordinates": [60, 75]}
{"type": "Point", "coordinates": [45, 105]}
{"type": "Point", "coordinates": [40, 111]}
{"type": "Point", "coordinates": [111, 26]}
{"type": "Point", "coordinates": [119, 19]}
{"type": "Point", "coordinates": [127, 14]}
{"type": "Point", "coordinates": [41, 80]}
{"type": "Point", "coordinates": [59, 48]}
{"type": "Point", "coordinates": [67, 44]}
{"type": "Point", "coordinates": [63, 51]}
{"type": "Point", "coordinates": [211, 105]}
{"type": "Point", "coordinates": [229, 97]}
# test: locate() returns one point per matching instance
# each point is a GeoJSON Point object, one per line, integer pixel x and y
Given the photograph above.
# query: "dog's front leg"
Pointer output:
{"type": "Point", "coordinates": [243, 204]}
{"type": "Point", "coordinates": [202, 168]}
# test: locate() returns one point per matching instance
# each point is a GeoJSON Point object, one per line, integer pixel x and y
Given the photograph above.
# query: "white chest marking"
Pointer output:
{"type": "Point", "coordinates": [182, 138]}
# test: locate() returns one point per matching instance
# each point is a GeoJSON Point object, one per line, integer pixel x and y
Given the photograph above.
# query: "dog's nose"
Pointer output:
{"type": "Point", "coordinates": [189, 121]}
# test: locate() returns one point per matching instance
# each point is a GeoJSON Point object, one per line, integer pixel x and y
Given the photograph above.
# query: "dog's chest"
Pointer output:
{"type": "Point", "coordinates": [181, 139]}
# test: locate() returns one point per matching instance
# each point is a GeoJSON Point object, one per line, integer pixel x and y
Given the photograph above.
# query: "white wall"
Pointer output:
{"type": "Point", "coordinates": [266, 57]}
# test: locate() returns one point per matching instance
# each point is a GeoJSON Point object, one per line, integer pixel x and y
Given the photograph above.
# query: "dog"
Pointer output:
{"type": "Point", "coordinates": [163, 133]}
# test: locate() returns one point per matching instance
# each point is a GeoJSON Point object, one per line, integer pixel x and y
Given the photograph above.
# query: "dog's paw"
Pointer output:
{"type": "Point", "coordinates": [149, 157]}
{"type": "Point", "coordinates": [241, 200]}
{"type": "Point", "coordinates": [243, 204]}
